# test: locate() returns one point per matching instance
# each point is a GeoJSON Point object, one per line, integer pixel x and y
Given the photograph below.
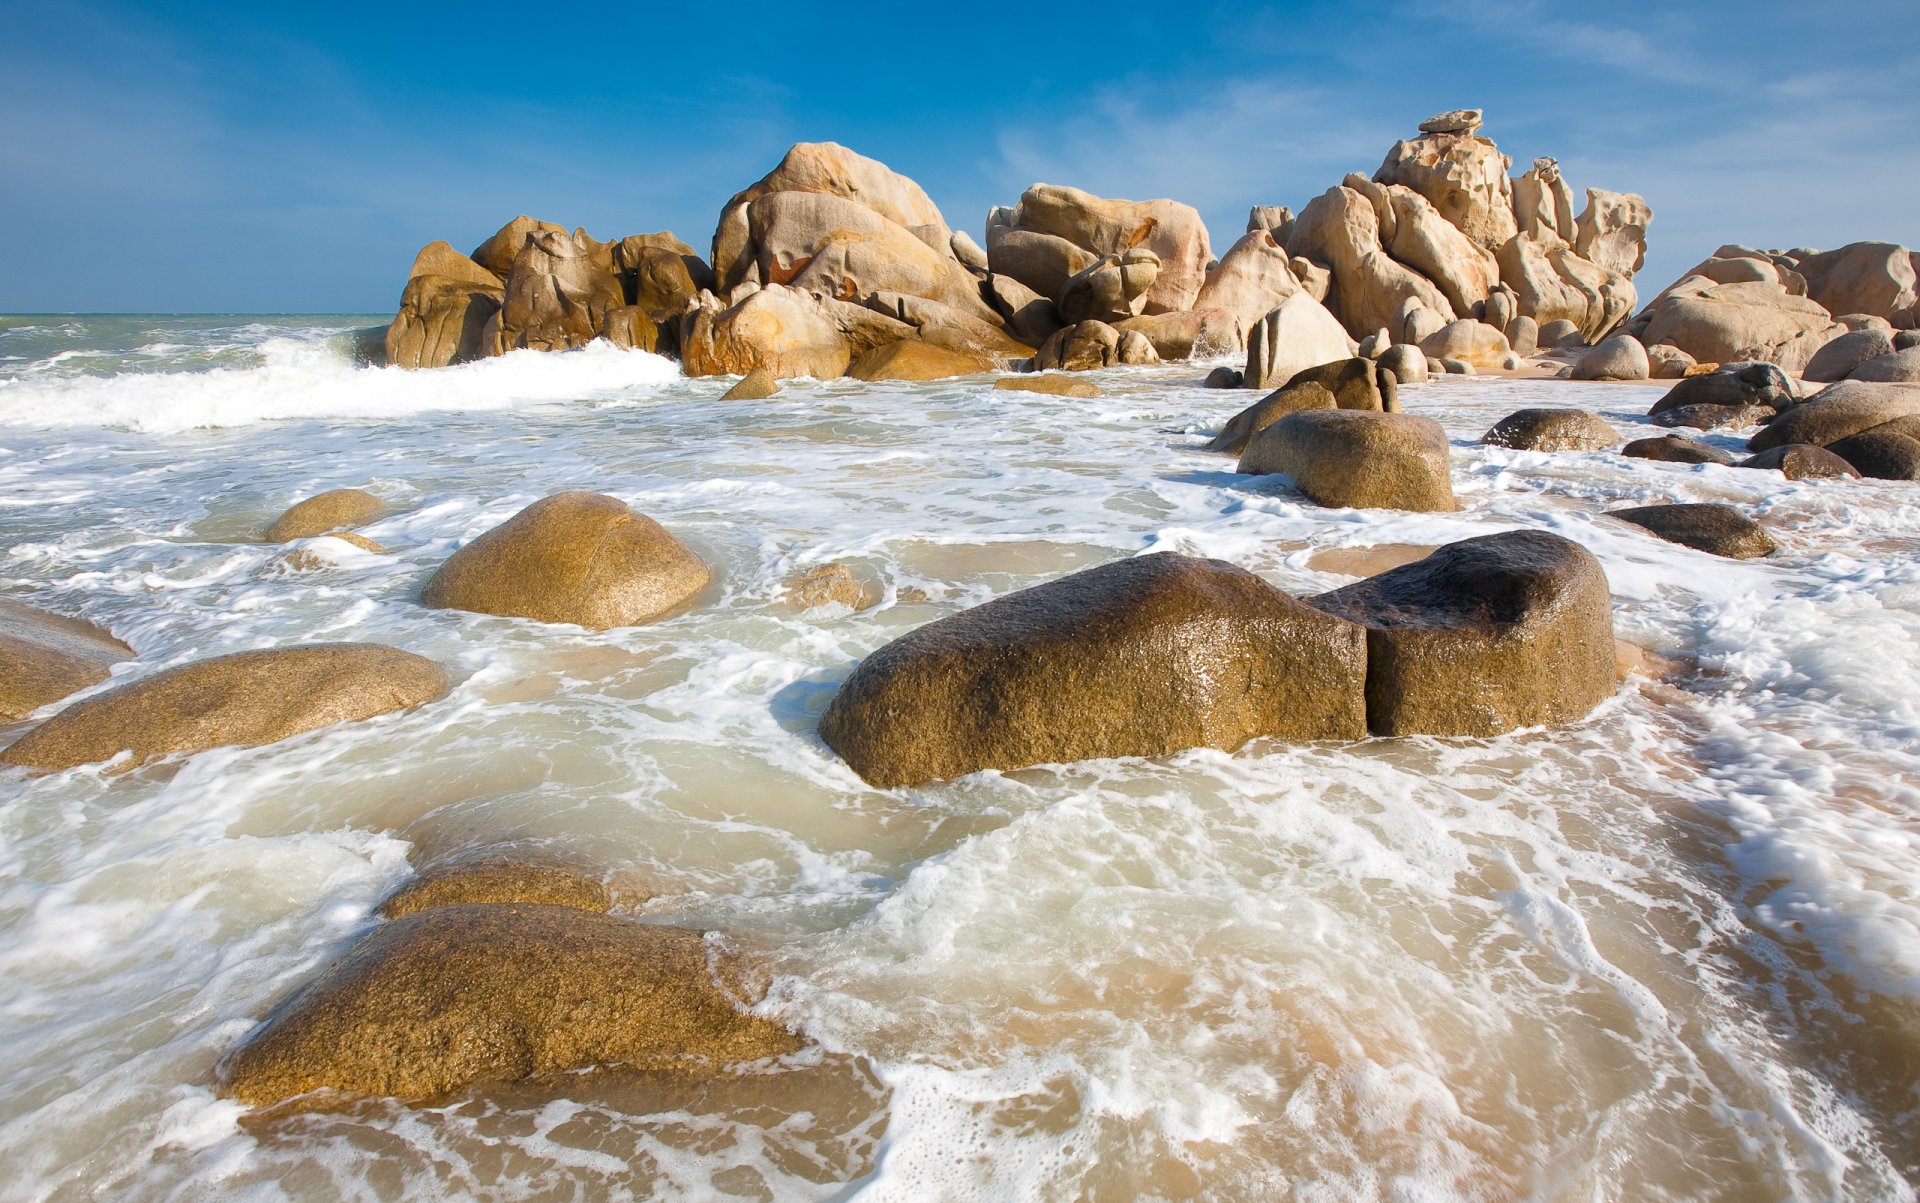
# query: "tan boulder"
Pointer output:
{"type": "Point", "coordinates": [1553, 283]}
{"type": "Point", "coordinates": [1041, 262]}
{"type": "Point", "coordinates": [1898, 367]}
{"type": "Point", "coordinates": [245, 699]}
{"type": "Point", "coordinates": [784, 330]}
{"type": "Point", "coordinates": [442, 321]}
{"type": "Point", "coordinates": [560, 291]}
{"type": "Point", "coordinates": [440, 259]}
{"type": "Point", "coordinates": [1110, 289]}
{"type": "Point", "coordinates": [1612, 231]}
{"type": "Point", "coordinates": [1864, 277]}
{"type": "Point", "coordinates": [1543, 204]}
{"type": "Point", "coordinates": [1048, 382]}
{"type": "Point", "coordinates": [1711, 527]}
{"type": "Point", "coordinates": [826, 585]}
{"type": "Point", "coordinates": [1299, 334]}
{"type": "Point", "coordinates": [1173, 232]}
{"type": "Point", "coordinates": [495, 874]}
{"type": "Point", "coordinates": [1144, 657]}
{"type": "Point", "coordinates": [1802, 461]}
{"type": "Point", "coordinates": [1407, 363]}
{"type": "Point", "coordinates": [496, 254]}
{"type": "Point", "coordinates": [1620, 357]}
{"type": "Point", "coordinates": [1080, 348]}
{"type": "Point", "coordinates": [1484, 636]}
{"type": "Point", "coordinates": [1356, 459]}
{"type": "Point", "coordinates": [1251, 280]}
{"type": "Point", "coordinates": [1724, 323]}
{"type": "Point", "coordinates": [1552, 430]}
{"type": "Point", "coordinates": [1838, 359]}
{"type": "Point", "coordinates": [942, 325]}
{"type": "Point", "coordinates": [1836, 412]}
{"type": "Point", "coordinates": [325, 513]}
{"type": "Point", "coordinates": [756, 385]}
{"type": "Point", "coordinates": [912, 359]}
{"type": "Point", "coordinates": [1340, 229]}
{"type": "Point", "coordinates": [447, 997]}
{"type": "Point", "coordinates": [1463, 176]}
{"type": "Point", "coordinates": [581, 558]}
{"type": "Point", "coordinates": [1356, 383]}
{"type": "Point", "coordinates": [1029, 316]}
{"type": "Point", "coordinates": [1468, 341]}
{"type": "Point", "coordinates": [1430, 244]}
{"type": "Point", "coordinates": [1189, 333]}
{"type": "Point", "coordinates": [1889, 451]}
{"type": "Point", "coordinates": [45, 657]}
{"type": "Point", "coordinates": [1667, 363]}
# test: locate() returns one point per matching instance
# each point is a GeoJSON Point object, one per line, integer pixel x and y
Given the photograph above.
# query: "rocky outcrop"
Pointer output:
{"type": "Point", "coordinates": [1356, 459]}
{"type": "Point", "coordinates": [1484, 636]}
{"type": "Point", "coordinates": [1081, 348]}
{"type": "Point", "coordinates": [1359, 384]}
{"type": "Point", "coordinates": [1144, 657]}
{"type": "Point", "coordinates": [1837, 412]}
{"type": "Point", "coordinates": [1252, 279]}
{"type": "Point", "coordinates": [912, 359]}
{"type": "Point", "coordinates": [1340, 231]}
{"type": "Point", "coordinates": [1838, 359]}
{"type": "Point", "coordinates": [446, 311]}
{"type": "Point", "coordinates": [45, 657]}
{"type": "Point", "coordinates": [1711, 527]}
{"type": "Point", "coordinates": [324, 513]}
{"type": "Point", "coordinates": [581, 558]}
{"type": "Point", "coordinates": [1737, 386]}
{"type": "Point", "coordinates": [1464, 177]}
{"type": "Point", "coordinates": [783, 330]}
{"type": "Point", "coordinates": [756, 385]}
{"type": "Point", "coordinates": [1552, 430]}
{"type": "Point", "coordinates": [559, 293]}
{"type": "Point", "coordinates": [1724, 323]}
{"type": "Point", "coordinates": [1874, 278]}
{"type": "Point", "coordinates": [1054, 233]}
{"type": "Point", "coordinates": [497, 253]}
{"type": "Point", "coordinates": [243, 700]}
{"type": "Point", "coordinates": [1299, 334]}
{"type": "Point", "coordinates": [489, 875]}
{"type": "Point", "coordinates": [454, 995]}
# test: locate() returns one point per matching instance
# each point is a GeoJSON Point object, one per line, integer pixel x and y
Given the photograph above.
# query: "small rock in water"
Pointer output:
{"type": "Point", "coordinates": [1056, 384]}
{"type": "Point", "coordinates": [827, 585]}
{"type": "Point", "coordinates": [1881, 454]}
{"type": "Point", "coordinates": [1357, 459]}
{"type": "Point", "coordinates": [1675, 449]}
{"type": "Point", "coordinates": [1551, 430]}
{"type": "Point", "coordinates": [1714, 417]}
{"type": "Point", "coordinates": [325, 513]}
{"type": "Point", "coordinates": [1711, 527]}
{"type": "Point", "coordinates": [498, 875]}
{"type": "Point", "coordinates": [45, 657]}
{"type": "Point", "coordinates": [1223, 377]}
{"type": "Point", "coordinates": [756, 385]}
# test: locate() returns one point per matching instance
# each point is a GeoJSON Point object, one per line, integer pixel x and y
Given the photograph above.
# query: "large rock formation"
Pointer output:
{"type": "Point", "coordinates": [44, 657]}
{"type": "Point", "coordinates": [446, 310]}
{"type": "Point", "coordinates": [454, 995]}
{"type": "Point", "coordinates": [1342, 457]}
{"type": "Point", "coordinates": [1298, 334]}
{"type": "Point", "coordinates": [1837, 412]}
{"type": "Point", "coordinates": [244, 699]}
{"type": "Point", "coordinates": [1745, 320]}
{"type": "Point", "coordinates": [582, 558]}
{"type": "Point", "coordinates": [1483, 636]}
{"type": "Point", "coordinates": [1343, 384]}
{"type": "Point", "coordinates": [1055, 230]}
{"type": "Point", "coordinates": [1143, 657]}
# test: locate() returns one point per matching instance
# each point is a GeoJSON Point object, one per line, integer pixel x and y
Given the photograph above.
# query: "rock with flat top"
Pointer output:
{"type": "Point", "coordinates": [911, 359]}
{"type": "Point", "coordinates": [491, 875]}
{"type": "Point", "coordinates": [1052, 383]}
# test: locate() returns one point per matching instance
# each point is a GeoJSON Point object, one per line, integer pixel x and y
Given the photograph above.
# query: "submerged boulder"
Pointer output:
{"type": "Point", "coordinates": [756, 385]}
{"type": "Point", "coordinates": [1802, 461]}
{"type": "Point", "coordinates": [912, 359]}
{"type": "Point", "coordinates": [443, 320]}
{"type": "Point", "coordinates": [1675, 449]}
{"type": "Point", "coordinates": [1051, 383]}
{"type": "Point", "coordinates": [1144, 657]}
{"type": "Point", "coordinates": [240, 700]}
{"type": "Point", "coordinates": [448, 997]}
{"type": "Point", "coordinates": [1711, 527]}
{"type": "Point", "coordinates": [490, 875]}
{"type": "Point", "coordinates": [1484, 636]}
{"type": "Point", "coordinates": [325, 513]}
{"type": "Point", "coordinates": [1737, 385]}
{"type": "Point", "coordinates": [45, 657]}
{"type": "Point", "coordinates": [1552, 430]}
{"type": "Point", "coordinates": [1356, 459]}
{"type": "Point", "coordinates": [582, 558]}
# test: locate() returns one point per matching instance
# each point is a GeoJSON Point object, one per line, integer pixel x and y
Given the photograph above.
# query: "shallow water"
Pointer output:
{"type": "Point", "coordinates": [1670, 952]}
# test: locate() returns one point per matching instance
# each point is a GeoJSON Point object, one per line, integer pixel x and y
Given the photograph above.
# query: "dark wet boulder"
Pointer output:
{"type": "Point", "coordinates": [1552, 430]}
{"type": "Point", "coordinates": [1711, 527]}
{"type": "Point", "coordinates": [1353, 458]}
{"type": "Point", "coordinates": [582, 558]}
{"type": "Point", "coordinates": [1898, 367]}
{"type": "Point", "coordinates": [1358, 384]}
{"type": "Point", "coordinates": [241, 700]}
{"type": "Point", "coordinates": [457, 995]}
{"type": "Point", "coordinates": [1143, 657]}
{"type": "Point", "coordinates": [1837, 411]}
{"type": "Point", "coordinates": [1675, 449]}
{"type": "Point", "coordinates": [45, 657]}
{"type": "Point", "coordinates": [1223, 377]}
{"type": "Point", "coordinates": [1714, 417]}
{"type": "Point", "coordinates": [1733, 385]}
{"type": "Point", "coordinates": [1484, 636]}
{"type": "Point", "coordinates": [1838, 359]}
{"type": "Point", "coordinates": [1882, 453]}
{"type": "Point", "coordinates": [1801, 461]}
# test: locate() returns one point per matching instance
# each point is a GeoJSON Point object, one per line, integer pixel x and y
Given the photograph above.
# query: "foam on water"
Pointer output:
{"type": "Point", "coordinates": [1665, 953]}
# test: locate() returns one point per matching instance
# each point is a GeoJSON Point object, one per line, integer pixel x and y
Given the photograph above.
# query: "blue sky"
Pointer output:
{"type": "Point", "coordinates": [209, 157]}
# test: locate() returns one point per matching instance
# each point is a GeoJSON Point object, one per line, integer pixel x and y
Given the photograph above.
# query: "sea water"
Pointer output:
{"type": "Point", "coordinates": [1671, 951]}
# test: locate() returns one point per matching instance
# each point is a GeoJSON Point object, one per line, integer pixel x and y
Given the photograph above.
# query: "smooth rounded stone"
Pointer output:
{"type": "Point", "coordinates": [1711, 527]}
{"type": "Point", "coordinates": [1344, 384]}
{"type": "Point", "coordinates": [1802, 461]}
{"type": "Point", "coordinates": [1523, 335]}
{"type": "Point", "coordinates": [1499, 310]}
{"type": "Point", "coordinates": [1484, 636]}
{"type": "Point", "coordinates": [1457, 367]}
{"type": "Point", "coordinates": [1224, 377]}
{"type": "Point", "coordinates": [911, 359]}
{"type": "Point", "coordinates": [1666, 362]}
{"type": "Point", "coordinates": [1054, 383]}
{"type": "Point", "coordinates": [240, 700]}
{"type": "Point", "coordinates": [1837, 411]}
{"type": "Point", "coordinates": [1551, 430]}
{"type": "Point", "coordinates": [1374, 344]}
{"type": "Point", "coordinates": [826, 585]}
{"type": "Point", "coordinates": [1675, 449]}
{"type": "Point", "coordinates": [1880, 454]}
{"type": "Point", "coordinates": [492, 875]}
{"type": "Point", "coordinates": [1714, 417]}
{"type": "Point", "coordinates": [1135, 348]}
{"type": "Point", "coordinates": [317, 557]}
{"type": "Point", "coordinates": [581, 558]}
{"type": "Point", "coordinates": [756, 385]}
{"type": "Point", "coordinates": [1299, 333]}
{"type": "Point", "coordinates": [1407, 362]}
{"type": "Point", "coordinates": [1618, 358]}
{"type": "Point", "coordinates": [1904, 340]}
{"type": "Point", "coordinates": [1080, 348]}
{"type": "Point", "coordinates": [1739, 385]}
{"type": "Point", "coordinates": [1143, 657]}
{"type": "Point", "coordinates": [324, 513]}
{"type": "Point", "coordinates": [1865, 321]}
{"type": "Point", "coordinates": [1557, 334]}
{"type": "Point", "coordinates": [45, 657]}
{"type": "Point", "coordinates": [1838, 359]}
{"type": "Point", "coordinates": [1468, 341]}
{"type": "Point", "coordinates": [1358, 460]}
{"type": "Point", "coordinates": [486, 992]}
{"type": "Point", "coordinates": [1898, 367]}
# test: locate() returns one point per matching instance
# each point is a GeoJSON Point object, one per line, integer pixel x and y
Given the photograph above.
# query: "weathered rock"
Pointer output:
{"type": "Point", "coordinates": [1554, 283]}
{"type": "Point", "coordinates": [581, 558]}
{"type": "Point", "coordinates": [1711, 527]}
{"type": "Point", "coordinates": [1080, 348]}
{"type": "Point", "coordinates": [455, 995]}
{"type": "Point", "coordinates": [1675, 449]}
{"type": "Point", "coordinates": [1714, 417]}
{"type": "Point", "coordinates": [1802, 461]}
{"type": "Point", "coordinates": [1543, 203]}
{"type": "Point", "coordinates": [1270, 217]}
{"type": "Point", "coordinates": [1135, 348]}
{"type": "Point", "coordinates": [1029, 317]}
{"type": "Point", "coordinates": [1357, 384]}
{"type": "Point", "coordinates": [1110, 289]}
{"type": "Point", "coordinates": [911, 359]}
{"type": "Point", "coordinates": [1252, 279]}
{"type": "Point", "coordinates": [1558, 334]}
{"type": "Point", "coordinates": [1612, 232]}
{"type": "Point", "coordinates": [1189, 333]}
{"type": "Point", "coordinates": [325, 513]}
{"type": "Point", "coordinates": [1340, 230]}
{"type": "Point", "coordinates": [1667, 363]}
{"type": "Point", "coordinates": [493, 875]}
{"type": "Point", "coordinates": [440, 259]}
{"type": "Point", "coordinates": [1465, 271]}
{"type": "Point", "coordinates": [1299, 334]}
{"type": "Point", "coordinates": [1040, 262]}
{"type": "Point", "coordinates": [659, 275]}
{"type": "Point", "coordinates": [1618, 358]}
{"type": "Point", "coordinates": [1723, 323]}
{"type": "Point", "coordinates": [1468, 341]}
{"type": "Point", "coordinates": [1373, 345]}
{"type": "Point", "coordinates": [1454, 121]}
{"type": "Point", "coordinates": [442, 321]}
{"type": "Point", "coordinates": [1742, 385]}
{"type": "Point", "coordinates": [784, 330]}
{"type": "Point", "coordinates": [1839, 410]}
{"type": "Point", "coordinates": [1407, 363]}
{"type": "Point", "coordinates": [1863, 277]}
{"type": "Point", "coordinates": [1881, 453]}
{"type": "Point", "coordinates": [496, 255]}
{"type": "Point", "coordinates": [1173, 232]}
{"type": "Point", "coordinates": [1414, 323]}
{"type": "Point", "coordinates": [826, 585]}
{"type": "Point", "coordinates": [1898, 367]}
{"type": "Point", "coordinates": [756, 385]}
{"type": "Point", "coordinates": [1223, 377]}
{"type": "Point", "coordinates": [1464, 177]}
{"type": "Point", "coordinates": [1048, 382]}
{"type": "Point", "coordinates": [1501, 308]}
{"type": "Point", "coordinates": [560, 292]}
{"type": "Point", "coordinates": [1838, 359]}
{"type": "Point", "coordinates": [244, 699]}
{"type": "Point", "coordinates": [971, 254]}
{"type": "Point", "coordinates": [1552, 430]}
{"type": "Point", "coordinates": [1356, 459]}
{"type": "Point", "coordinates": [45, 657]}
{"type": "Point", "coordinates": [1523, 335]}
{"type": "Point", "coordinates": [1484, 636]}
{"type": "Point", "coordinates": [1144, 657]}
